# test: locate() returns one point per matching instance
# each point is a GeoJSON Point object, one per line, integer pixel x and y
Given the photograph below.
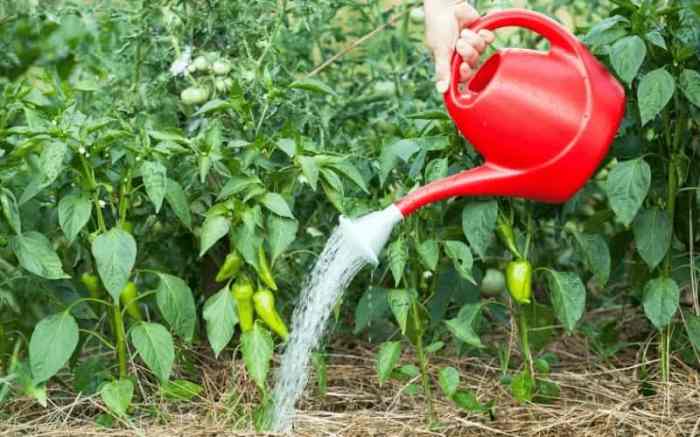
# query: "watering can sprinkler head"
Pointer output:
{"type": "Point", "coordinates": [371, 232]}
{"type": "Point", "coordinates": [543, 121]}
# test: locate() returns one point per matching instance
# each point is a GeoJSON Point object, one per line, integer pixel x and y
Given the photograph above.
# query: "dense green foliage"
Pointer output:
{"type": "Point", "coordinates": [115, 163]}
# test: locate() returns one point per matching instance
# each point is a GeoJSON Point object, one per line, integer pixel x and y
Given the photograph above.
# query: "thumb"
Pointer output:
{"type": "Point", "coordinates": [443, 56]}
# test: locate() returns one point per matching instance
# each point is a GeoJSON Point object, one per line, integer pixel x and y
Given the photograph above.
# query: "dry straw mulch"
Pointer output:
{"type": "Point", "coordinates": [596, 400]}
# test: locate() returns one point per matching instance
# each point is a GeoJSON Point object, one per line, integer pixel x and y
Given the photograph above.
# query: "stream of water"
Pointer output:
{"type": "Point", "coordinates": [353, 244]}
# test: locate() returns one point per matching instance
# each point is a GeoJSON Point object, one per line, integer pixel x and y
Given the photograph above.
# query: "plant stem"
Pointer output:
{"type": "Point", "coordinates": [423, 361]}
{"type": "Point", "coordinates": [525, 340]}
{"type": "Point", "coordinates": [11, 367]}
{"type": "Point", "coordinates": [120, 335]}
{"type": "Point", "coordinates": [124, 199]}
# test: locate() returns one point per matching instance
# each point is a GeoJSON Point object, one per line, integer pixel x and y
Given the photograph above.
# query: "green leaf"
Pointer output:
{"type": "Point", "coordinates": [177, 199]}
{"type": "Point", "coordinates": [180, 390]}
{"type": "Point", "coordinates": [74, 212]}
{"type": "Point", "coordinates": [214, 228]}
{"type": "Point", "coordinates": [10, 210]}
{"type": "Point", "coordinates": [53, 341]}
{"type": "Point", "coordinates": [50, 166]}
{"type": "Point", "coordinates": [319, 362]}
{"type": "Point", "coordinates": [627, 187]}
{"type": "Point", "coordinates": [155, 180]}
{"type": "Point", "coordinates": [288, 146]}
{"type": "Point", "coordinates": [221, 317]}
{"type": "Point", "coordinates": [461, 256]}
{"type": "Point", "coordinates": [115, 254]}
{"type": "Point", "coordinates": [479, 224]}
{"type": "Point", "coordinates": [401, 302]}
{"type": "Point", "coordinates": [429, 253]}
{"type": "Point", "coordinates": [387, 358]}
{"type": "Point", "coordinates": [257, 347]}
{"type": "Point", "coordinates": [466, 400]}
{"type": "Point", "coordinates": [657, 39]}
{"type": "Point", "coordinates": [690, 84]}
{"type": "Point", "coordinates": [436, 169]}
{"type": "Point", "coordinates": [372, 307]}
{"type": "Point", "coordinates": [627, 56]}
{"type": "Point", "coordinates": [237, 185]}
{"type": "Point", "coordinates": [606, 31]}
{"type": "Point", "coordinates": [661, 298]}
{"type": "Point", "coordinates": [154, 345]}
{"type": "Point", "coordinates": [51, 161]}
{"type": "Point", "coordinates": [248, 240]}
{"type": "Point", "coordinates": [655, 91]}
{"type": "Point", "coordinates": [347, 169]}
{"type": "Point", "coordinates": [568, 296]}
{"type": "Point", "coordinates": [313, 85]}
{"type": "Point", "coordinates": [391, 154]}
{"type": "Point", "coordinates": [597, 255]}
{"type": "Point", "coordinates": [276, 203]}
{"type": "Point", "coordinates": [281, 233]}
{"type": "Point", "coordinates": [694, 330]}
{"type": "Point", "coordinates": [653, 232]}
{"type": "Point", "coordinates": [173, 136]}
{"type": "Point", "coordinates": [176, 303]}
{"type": "Point", "coordinates": [397, 252]}
{"type": "Point", "coordinates": [213, 106]}
{"type": "Point", "coordinates": [117, 396]}
{"type": "Point", "coordinates": [36, 255]}
{"type": "Point", "coordinates": [448, 378]}
{"type": "Point", "coordinates": [523, 387]}
{"type": "Point", "coordinates": [462, 327]}
{"type": "Point", "coordinates": [310, 169]}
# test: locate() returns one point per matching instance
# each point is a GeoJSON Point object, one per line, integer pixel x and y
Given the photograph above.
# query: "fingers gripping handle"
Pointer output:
{"type": "Point", "coordinates": [559, 38]}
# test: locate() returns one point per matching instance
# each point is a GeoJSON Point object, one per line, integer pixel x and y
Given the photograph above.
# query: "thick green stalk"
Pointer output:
{"type": "Point", "coordinates": [423, 361]}
{"type": "Point", "coordinates": [120, 335]}
{"type": "Point", "coordinates": [14, 359]}
{"type": "Point", "coordinates": [524, 339]}
{"type": "Point", "coordinates": [672, 193]}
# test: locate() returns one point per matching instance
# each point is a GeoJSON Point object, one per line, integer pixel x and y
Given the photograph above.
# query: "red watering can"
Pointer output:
{"type": "Point", "coordinates": [542, 121]}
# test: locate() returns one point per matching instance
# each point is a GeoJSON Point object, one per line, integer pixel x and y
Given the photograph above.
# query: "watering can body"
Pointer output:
{"type": "Point", "coordinates": [543, 121]}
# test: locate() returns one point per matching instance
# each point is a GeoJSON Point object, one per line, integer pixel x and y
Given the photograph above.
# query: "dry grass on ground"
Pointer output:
{"type": "Point", "coordinates": [596, 400]}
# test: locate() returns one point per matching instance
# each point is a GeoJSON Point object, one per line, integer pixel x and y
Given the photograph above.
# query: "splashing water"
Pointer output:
{"type": "Point", "coordinates": [353, 244]}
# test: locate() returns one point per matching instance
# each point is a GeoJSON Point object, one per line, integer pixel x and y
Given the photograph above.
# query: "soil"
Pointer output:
{"type": "Point", "coordinates": [597, 399]}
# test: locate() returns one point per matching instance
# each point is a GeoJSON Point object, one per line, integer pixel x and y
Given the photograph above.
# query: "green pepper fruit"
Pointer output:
{"type": "Point", "coordinates": [264, 302]}
{"type": "Point", "coordinates": [493, 283]}
{"type": "Point", "coordinates": [129, 298]}
{"type": "Point", "coordinates": [519, 280]}
{"type": "Point", "coordinates": [242, 292]}
{"type": "Point", "coordinates": [505, 232]}
{"type": "Point", "coordinates": [264, 269]}
{"type": "Point", "coordinates": [232, 264]}
{"type": "Point", "coordinates": [92, 283]}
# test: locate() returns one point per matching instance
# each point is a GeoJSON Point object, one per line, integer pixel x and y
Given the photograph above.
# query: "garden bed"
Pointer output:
{"type": "Point", "coordinates": [597, 399]}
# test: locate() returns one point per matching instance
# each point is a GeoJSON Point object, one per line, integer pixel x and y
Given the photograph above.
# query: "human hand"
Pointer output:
{"type": "Point", "coordinates": [445, 31]}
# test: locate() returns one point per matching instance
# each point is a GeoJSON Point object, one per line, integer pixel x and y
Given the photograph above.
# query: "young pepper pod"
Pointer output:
{"type": "Point", "coordinates": [505, 232]}
{"type": "Point", "coordinates": [264, 302]}
{"type": "Point", "coordinates": [264, 269]}
{"type": "Point", "coordinates": [92, 284]}
{"type": "Point", "coordinates": [519, 280]}
{"type": "Point", "coordinates": [242, 292]}
{"type": "Point", "coordinates": [129, 298]}
{"type": "Point", "coordinates": [232, 264]}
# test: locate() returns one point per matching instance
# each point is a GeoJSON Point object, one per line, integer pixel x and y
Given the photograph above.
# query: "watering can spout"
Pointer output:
{"type": "Point", "coordinates": [486, 180]}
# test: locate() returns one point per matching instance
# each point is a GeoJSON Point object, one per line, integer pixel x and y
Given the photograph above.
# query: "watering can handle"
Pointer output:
{"type": "Point", "coordinates": [559, 38]}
